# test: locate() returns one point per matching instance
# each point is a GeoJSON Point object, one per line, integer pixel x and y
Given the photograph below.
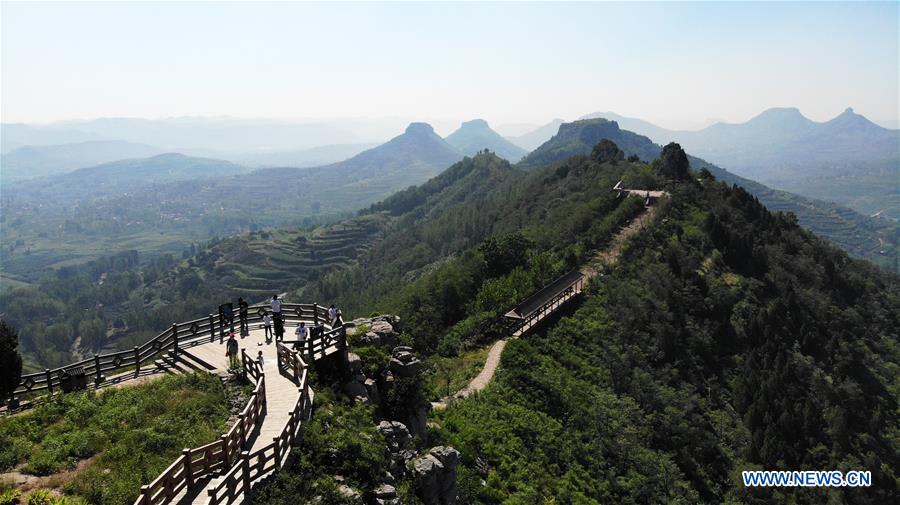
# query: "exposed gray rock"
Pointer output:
{"type": "Point", "coordinates": [370, 338]}
{"type": "Point", "coordinates": [385, 491]}
{"type": "Point", "coordinates": [434, 476]}
{"type": "Point", "coordinates": [354, 362]}
{"type": "Point", "coordinates": [372, 390]}
{"type": "Point", "coordinates": [356, 389]}
{"type": "Point", "coordinates": [348, 492]}
{"type": "Point", "coordinates": [396, 434]}
{"type": "Point", "coordinates": [404, 363]}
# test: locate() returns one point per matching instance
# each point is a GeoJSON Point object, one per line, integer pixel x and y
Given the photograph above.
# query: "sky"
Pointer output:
{"type": "Point", "coordinates": [677, 64]}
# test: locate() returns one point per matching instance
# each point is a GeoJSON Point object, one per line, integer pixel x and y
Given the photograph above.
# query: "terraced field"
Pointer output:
{"type": "Point", "coordinates": [263, 261]}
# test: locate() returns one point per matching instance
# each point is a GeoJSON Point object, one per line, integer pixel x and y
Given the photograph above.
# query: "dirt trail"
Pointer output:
{"type": "Point", "coordinates": [607, 256]}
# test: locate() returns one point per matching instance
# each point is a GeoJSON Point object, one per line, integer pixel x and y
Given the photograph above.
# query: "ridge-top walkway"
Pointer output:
{"type": "Point", "coordinates": [545, 302]}
{"type": "Point", "coordinates": [259, 441]}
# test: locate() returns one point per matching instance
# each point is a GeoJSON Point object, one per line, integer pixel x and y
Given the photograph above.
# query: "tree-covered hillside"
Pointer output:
{"type": "Point", "coordinates": [727, 338]}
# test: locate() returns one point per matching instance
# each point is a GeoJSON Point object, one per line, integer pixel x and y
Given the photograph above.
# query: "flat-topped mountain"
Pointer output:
{"type": "Point", "coordinates": [476, 135]}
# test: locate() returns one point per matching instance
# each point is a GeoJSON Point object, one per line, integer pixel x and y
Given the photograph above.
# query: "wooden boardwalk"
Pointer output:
{"type": "Point", "coordinates": [282, 394]}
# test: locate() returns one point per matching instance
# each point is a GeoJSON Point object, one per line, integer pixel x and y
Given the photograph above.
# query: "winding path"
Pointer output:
{"type": "Point", "coordinates": [607, 256]}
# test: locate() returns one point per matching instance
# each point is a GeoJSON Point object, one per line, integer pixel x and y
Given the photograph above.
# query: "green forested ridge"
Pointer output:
{"type": "Point", "coordinates": [430, 263]}
{"type": "Point", "coordinates": [726, 338]}
{"type": "Point", "coordinates": [874, 239]}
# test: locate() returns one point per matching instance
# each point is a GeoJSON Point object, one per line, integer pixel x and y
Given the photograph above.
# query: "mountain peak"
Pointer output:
{"type": "Point", "coordinates": [475, 123]}
{"type": "Point", "coordinates": [473, 136]}
{"type": "Point", "coordinates": [419, 129]}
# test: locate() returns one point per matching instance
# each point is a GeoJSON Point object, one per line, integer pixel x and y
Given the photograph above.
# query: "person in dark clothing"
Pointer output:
{"type": "Point", "coordinates": [242, 313]}
{"type": "Point", "coordinates": [279, 328]}
{"type": "Point", "coordinates": [231, 351]}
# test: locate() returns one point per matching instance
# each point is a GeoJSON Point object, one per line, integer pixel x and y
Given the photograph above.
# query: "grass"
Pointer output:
{"type": "Point", "coordinates": [102, 447]}
{"type": "Point", "coordinates": [446, 376]}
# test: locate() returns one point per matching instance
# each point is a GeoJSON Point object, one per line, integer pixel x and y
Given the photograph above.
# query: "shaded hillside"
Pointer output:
{"type": "Point", "coordinates": [31, 162]}
{"type": "Point", "coordinates": [848, 159]}
{"type": "Point", "coordinates": [476, 135]}
{"type": "Point", "coordinates": [870, 238]}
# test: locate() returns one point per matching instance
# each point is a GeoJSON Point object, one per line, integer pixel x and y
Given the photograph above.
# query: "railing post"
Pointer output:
{"type": "Point", "coordinates": [98, 377]}
{"type": "Point", "coordinates": [224, 439]}
{"type": "Point", "coordinates": [49, 381]}
{"type": "Point", "coordinates": [277, 442]}
{"type": "Point", "coordinates": [174, 339]}
{"type": "Point", "coordinates": [188, 474]}
{"type": "Point", "coordinates": [212, 328]}
{"type": "Point", "coordinates": [145, 495]}
{"type": "Point", "coordinates": [241, 422]}
{"type": "Point", "coordinates": [245, 470]}
{"type": "Point", "coordinates": [137, 361]}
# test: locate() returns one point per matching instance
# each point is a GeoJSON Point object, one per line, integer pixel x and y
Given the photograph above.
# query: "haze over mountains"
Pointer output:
{"type": "Point", "coordinates": [848, 159]}
{"type": "Point", "coordinates": [476, 135]}
{"type": "Point", "coordinates": [193, 198]}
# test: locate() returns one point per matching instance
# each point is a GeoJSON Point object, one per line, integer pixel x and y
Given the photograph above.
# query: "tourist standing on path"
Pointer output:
{"type": "Point", "coordinates": [276, 310]}
{"type": "Point", "coordinates": [260, 360]}
{"type": "Point", "coordinates": [242, 313]}
{"type": "Point", "coordinates": [267, 327]}
{"type": "Point", "coordinates": [279, 329]}
{"type": "Point", "coordinates": [332, 314]}
{"type": "Point", "coordinates": [231, 351]}
{"type": "Point", "coordinates": [302, 333]}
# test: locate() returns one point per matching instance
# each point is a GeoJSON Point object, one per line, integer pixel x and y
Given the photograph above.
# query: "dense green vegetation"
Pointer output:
{"type": "Point", "coordinates": [342, 440]}
{"type": "Point", "coordinates": [442, 263]}
{"type": "Point", "coordinates": [725, 339]}
{"type": "Point", "coordinates": [111, 442]}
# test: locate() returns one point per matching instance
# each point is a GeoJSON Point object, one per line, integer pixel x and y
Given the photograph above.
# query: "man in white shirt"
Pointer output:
{"type": "Point", "coordinates": [302, 333]}
{"type": "Point", "coordinates": [276, 306]}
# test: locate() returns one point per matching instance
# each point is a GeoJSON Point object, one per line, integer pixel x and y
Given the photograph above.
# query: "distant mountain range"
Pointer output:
{"type": "Point", "coordinates": [40, 161]}
{"type": "Point", "coordinates": [168, 201]}
{"type": "Point", "coordinates": [848, 159]}
{"type": "Point", "coordinates": [871, 238]}
{"type": "Point", "coordinates": [476, 135]}
{"type": "Point", "coordinates": [532, 140]}
{"type": "Point", "coordinates": [312, 157]}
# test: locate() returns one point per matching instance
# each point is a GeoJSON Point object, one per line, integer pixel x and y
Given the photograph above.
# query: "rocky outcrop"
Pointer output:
{"type": "Point", "coordinates": [434, 476]}
{"type": "Point", "coordinates": [381, 330]}
{"type": "Point", "coordinates": [410, 407]}
{"type": "Point", "coordinates": [404, 363]}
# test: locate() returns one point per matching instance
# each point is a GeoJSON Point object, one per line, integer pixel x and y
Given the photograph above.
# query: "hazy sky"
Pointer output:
{"type": "Point", "coordinates": [505, 62]}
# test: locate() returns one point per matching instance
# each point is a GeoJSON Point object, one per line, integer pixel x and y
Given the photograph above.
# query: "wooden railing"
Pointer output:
{"type": "Point", "coordinates": [252, 466]}
{"type": "Point", "coordinates": [187, 334]}
{"type": "Point", "coordinates": [194, 464]}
